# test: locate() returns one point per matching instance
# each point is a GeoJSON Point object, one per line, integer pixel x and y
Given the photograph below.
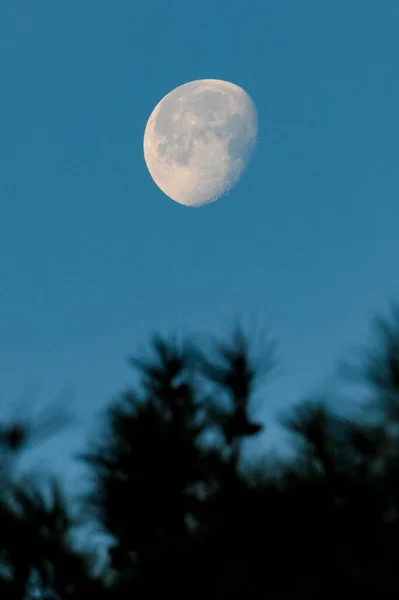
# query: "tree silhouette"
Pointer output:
{"type": "Point", "coordinates": [37, 557]}
{"type": "Point", "coordinates": [147, 464]}
{"type": "Point", "coordinates": [160, 488]}
{"type": "Point", "coordinates": [187, 517]}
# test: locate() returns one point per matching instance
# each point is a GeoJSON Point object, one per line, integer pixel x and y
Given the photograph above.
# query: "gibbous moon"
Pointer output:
{"type": "Point", "coordinates": [199, 139]}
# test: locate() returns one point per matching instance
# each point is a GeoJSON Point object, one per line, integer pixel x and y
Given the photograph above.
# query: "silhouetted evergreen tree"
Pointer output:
{"type": "Point", "coordinates": [160, 489]}
{"type": "Point", "coordinates": [188, 520]}
{"type": "Point", "coordinates": [38, 559]}
{"type": "Point", "coordinates": [188, 517]}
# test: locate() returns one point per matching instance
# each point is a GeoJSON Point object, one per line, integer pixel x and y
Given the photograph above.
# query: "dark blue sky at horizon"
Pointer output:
{"type": "Point", "coordinates": [94, 257]}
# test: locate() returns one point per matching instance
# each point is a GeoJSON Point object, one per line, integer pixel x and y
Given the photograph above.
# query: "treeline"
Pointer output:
{"type": "Point", "coordinates": [187, 517]}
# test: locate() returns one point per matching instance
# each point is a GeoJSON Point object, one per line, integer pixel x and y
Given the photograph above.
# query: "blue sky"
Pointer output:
{"type": "Point", "coordinates": [94, 257]}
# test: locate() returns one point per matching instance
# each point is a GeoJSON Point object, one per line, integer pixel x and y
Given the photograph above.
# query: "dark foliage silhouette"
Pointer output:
{"type": "Point", "coordinates": [187, 516]}
{"type": "Point", "coordinates": [37, 556]}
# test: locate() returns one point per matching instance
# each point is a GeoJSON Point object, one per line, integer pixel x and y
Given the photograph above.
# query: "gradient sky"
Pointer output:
{"type": "Point", "coordinates": [94, 257]}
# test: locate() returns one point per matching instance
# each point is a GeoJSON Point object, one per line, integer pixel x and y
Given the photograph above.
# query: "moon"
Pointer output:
{"type": "Point", "coordinates": [199, 139]}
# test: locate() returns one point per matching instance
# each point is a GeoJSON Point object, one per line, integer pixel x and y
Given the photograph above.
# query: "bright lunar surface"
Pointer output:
{"type": "Point", "coordinates": [198, 140]}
